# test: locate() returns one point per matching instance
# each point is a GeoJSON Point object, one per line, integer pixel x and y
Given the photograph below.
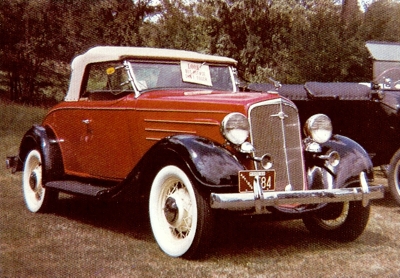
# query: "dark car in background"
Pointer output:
{"type": "Point", "coordinates": [369, 112]}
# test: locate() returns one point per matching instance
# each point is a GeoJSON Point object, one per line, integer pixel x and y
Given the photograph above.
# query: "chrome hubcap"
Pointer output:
{"type": "Point", "coordinates": [171, 210]}
{"type": "Point", "coordinates": [177, 210]}
{"type": "Point", "coordinates": [33, 181]}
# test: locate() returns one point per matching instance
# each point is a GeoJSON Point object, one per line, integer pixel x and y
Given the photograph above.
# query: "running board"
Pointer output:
{"type": "Point", "coordinates": [80, 188]}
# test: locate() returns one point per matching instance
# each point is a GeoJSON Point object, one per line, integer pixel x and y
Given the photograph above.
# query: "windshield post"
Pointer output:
{"type": "Point", "coordinates": [131, 78]}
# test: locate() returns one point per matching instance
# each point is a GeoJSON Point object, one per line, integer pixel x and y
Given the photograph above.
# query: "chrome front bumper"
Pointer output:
{"type": "Point", "coordinates": [258, 199]}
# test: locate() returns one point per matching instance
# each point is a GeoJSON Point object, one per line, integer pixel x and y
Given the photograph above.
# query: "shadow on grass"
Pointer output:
{"type": "Point", "coordinates": [259, 237]}
{"type": "Point", "coordinates": [388, 201]}
{"type": "Point", "coordinates": [121, 217]}
{"type": "Point", "coordinates": [233, 236]}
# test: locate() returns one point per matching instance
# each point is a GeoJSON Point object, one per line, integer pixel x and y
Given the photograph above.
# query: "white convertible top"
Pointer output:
{"type": "Point", "coordinates": [116, 53]}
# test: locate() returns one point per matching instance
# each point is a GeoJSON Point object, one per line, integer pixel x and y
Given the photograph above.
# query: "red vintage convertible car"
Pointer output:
{"type": "Point", "coordinates": [172, 128]}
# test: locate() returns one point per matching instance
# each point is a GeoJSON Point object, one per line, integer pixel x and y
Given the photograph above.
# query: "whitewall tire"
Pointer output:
{"type": "Point", "coordinates": [37, 199]}
{"type": "Point", "coordinates": [180, 218]}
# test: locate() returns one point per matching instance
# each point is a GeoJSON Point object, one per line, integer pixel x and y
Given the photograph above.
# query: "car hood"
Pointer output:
{"type": "Point", "coordinates": [191, 99]}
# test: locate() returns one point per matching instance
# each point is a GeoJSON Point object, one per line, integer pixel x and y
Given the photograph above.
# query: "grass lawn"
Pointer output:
{"type": "Point", "coordinates": [85, 238]}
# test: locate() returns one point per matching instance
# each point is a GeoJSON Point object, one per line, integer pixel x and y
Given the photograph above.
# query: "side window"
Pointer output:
{"type": "Point", "coordinates": [107, 81]}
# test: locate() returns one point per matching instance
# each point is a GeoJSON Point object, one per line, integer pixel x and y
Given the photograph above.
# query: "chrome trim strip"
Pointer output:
{"type": "Point", "coordinates": [282, 117]}
{"type": "Point", "coordinates": [170, 130]}
{"type": "Point", "coordinates": [153, 139]}
{"type": "Point", "coordinates": [182, 110]}
{"type": "Point", "coordinates": [94, 108]}
{"type": "Point", "coordinates": [274, 101]}
{"type": "Point", "coordinates": [182, 122]}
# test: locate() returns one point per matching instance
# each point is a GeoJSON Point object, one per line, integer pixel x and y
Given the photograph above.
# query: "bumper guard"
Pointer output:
{"type": "Point", "coordinates": [12, 162]}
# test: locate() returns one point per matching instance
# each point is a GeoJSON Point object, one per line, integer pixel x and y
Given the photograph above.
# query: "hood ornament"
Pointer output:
{"type": "Point", "coordinates": [281, 115]}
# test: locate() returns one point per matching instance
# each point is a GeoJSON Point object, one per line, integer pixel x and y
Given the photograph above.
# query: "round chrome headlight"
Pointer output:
{"type": "Point", "coordinates": [319, 128]}
{"type": "Point", "coordinates": [235, 128]}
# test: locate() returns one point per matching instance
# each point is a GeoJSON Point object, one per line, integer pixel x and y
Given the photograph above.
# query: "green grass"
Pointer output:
{"type": "Point", "coordinates": [85, 238]}
{"type": "Point", "coordinates": [14, 122]}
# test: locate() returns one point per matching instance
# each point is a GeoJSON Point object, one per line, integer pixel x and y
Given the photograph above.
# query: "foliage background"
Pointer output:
{"type": "Point", "coordinates": [290, 40]}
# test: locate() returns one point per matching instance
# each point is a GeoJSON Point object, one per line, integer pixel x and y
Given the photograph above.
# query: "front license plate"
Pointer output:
{"type": "Point", "coordinates": [247, 180]}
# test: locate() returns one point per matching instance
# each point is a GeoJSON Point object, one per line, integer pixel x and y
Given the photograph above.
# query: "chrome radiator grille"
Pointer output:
{"type": "Point", "coordinates": [275, 130]}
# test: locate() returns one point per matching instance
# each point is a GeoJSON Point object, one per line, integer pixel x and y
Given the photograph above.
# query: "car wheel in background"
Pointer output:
{"type": "Point", "coordinates": [346, 221]}
{"type": "Point", "coordinates": [394, 176]}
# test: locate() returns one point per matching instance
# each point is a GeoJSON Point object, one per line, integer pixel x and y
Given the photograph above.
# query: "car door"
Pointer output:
{"type": "Point", "coordinates": [96, 130]}
{"type": "Point", "coordinates": [105, 146]}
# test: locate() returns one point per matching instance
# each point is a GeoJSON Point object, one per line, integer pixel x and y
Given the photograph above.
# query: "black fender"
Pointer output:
{"type": "Point", "coordinates": [44, 140]}
{"type": "Point", "coordinates": [353, 160]}
{"type": "Point", "coordinates": [211, 164]}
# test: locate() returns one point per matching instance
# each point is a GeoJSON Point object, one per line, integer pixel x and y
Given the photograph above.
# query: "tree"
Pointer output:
{"type": "Point", "coordinates": [177, 25]}
{"type": "Point", "coordinates": [256, 33]}
{"type": "Point", "coordinates": [21, 47]}
{"type": "Point", "coordinates": [290, 40]}
{"type": "Point", "coordinates": [39, 35]}
{"type": "Point", "coordinates": [117, 22]}
{"type": "Point", "coordinates": [350, 10]}
{"type": "Point", "coordinates": [382, 21]}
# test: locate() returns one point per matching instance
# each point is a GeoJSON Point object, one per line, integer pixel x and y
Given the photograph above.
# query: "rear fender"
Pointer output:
{"type": "Point", "coordinates": [44, 140]}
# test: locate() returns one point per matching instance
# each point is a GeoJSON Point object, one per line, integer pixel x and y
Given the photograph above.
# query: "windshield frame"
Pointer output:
{"type": "Point", "coordinates": [142, 87]}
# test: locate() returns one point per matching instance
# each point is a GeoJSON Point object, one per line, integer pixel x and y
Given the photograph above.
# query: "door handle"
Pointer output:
{"type": "Point", "coordinates": [88, 128]}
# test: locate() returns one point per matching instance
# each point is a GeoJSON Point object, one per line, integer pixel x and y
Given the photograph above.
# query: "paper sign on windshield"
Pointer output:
{"type": "Point", "coordinates": [196, 73]}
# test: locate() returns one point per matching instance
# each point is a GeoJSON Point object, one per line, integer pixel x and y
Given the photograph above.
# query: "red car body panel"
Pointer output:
{"type": "Point", "coordinates": [106, 139]}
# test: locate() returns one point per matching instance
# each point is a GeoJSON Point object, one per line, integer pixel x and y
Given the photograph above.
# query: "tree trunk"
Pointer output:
{"type": "Point", "coordinates": [350, 9]}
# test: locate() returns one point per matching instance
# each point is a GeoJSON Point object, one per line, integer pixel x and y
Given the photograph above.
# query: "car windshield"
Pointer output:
{"type": "Point", "coordinates": [182, 75]}
{"type": "Point", "coordinates": [389, 79]}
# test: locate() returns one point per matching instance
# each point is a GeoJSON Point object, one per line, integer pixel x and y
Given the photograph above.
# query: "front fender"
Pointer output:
{"type": "Point", "coordinates": [211, 165]}
{"type": "Point", "coordinates": [353, 160]}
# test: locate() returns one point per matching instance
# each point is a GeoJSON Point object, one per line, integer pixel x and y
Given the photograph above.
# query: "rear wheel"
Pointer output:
{"type": "Point", "coordinates": [180, 217]}
{"type": "Point", "coordinates": [394, 177]}
{"type": "Point", "coordinates": [37, 198]}
{"type": "Point", "coordinates": [345, 221]}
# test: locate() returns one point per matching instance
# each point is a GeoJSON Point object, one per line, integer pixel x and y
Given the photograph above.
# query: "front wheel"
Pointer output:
{"type": "Point", "coordinates": [394, 177]}
{"type": "Point", "coordinates": [37, 198]}
{"type": "Point", "coordinates": [180, 217]}
{"type": "Point", "coordinates": [345, 222]}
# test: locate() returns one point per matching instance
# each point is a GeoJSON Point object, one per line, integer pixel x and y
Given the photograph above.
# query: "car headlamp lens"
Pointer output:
{"type": "Point", "coordinates": [235, 128]}
{"type": "Point", "coordinates": [319, 128]}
